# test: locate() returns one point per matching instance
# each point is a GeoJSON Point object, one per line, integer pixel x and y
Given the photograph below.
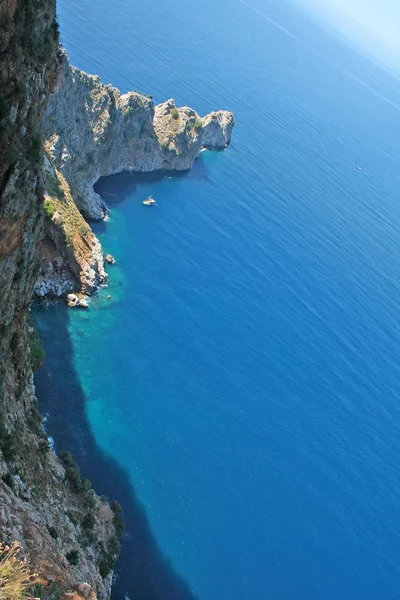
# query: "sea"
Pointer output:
{"type": "Point", "coordinates": [236, 387]}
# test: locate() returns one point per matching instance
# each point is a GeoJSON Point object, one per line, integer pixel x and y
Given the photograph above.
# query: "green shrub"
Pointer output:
{"type": "Point", "coordinates": [44, 445]}
{"type": "Point", "coordinates": [78, 484]}
{"type": "Point", "coordinates": [150, 97]}
{"type": "Point", "coordinates": [118, 518]}
{"type": "Point", "coordinates": [66, 457]}
{"type": "Point", "coordinates": [71, 517]}
{"type": "Point", "coordinates": [47, 592]}
{"type": "Point", "coordinates": [198, 125]}
{"type": "Point", "coordinates": [55, 29]}
{"type": "Point", "coordinates": [88, 538]}
{"type": "Point", "coordinates": [83, 229]}
{"type": "Point", "coordinates": [4, 109]}
{"type": "Point", "coordinates": [85, 485]}
{"type": "Point", "coordinates": [106, 564]}
{"type": "Point", "coordinates": [36, 355]}
{"type": "Point", "coordinates": [49, 208]}
{"type": "Point", "coordinates": [90, 502]}
{"type": "Point", "coordinates": [114, 546]}
{"type": "Point", "coordinates": [175, 113]}
{"type": "Point", "coordinates": [8, 480]}
{"type": "Point", "coordinates": [73, 476]}
{"type": "Point", "coordinates": [53, 532]}
{"type": "Point", "coordinates": [68, 239]}
{"type": "Point", "coordinates": [73, 557]}
{"type": "Point", "coordinates": [4, 115]}
{"type": "Point", "coordinates": [7, 443]}
{"type": "Point", "coordinates": [109, 556]}
{"type": "Point", "coordinates": [20, 88]}
{"type": "Point", "coordinates": [35, 420]}
{"type": "Point", "coordinates": [34, 152]}
{"type": "Point", "coordinates": [88, 521]}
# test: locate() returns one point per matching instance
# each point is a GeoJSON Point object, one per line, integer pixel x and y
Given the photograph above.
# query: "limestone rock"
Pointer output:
{"type": "Point", "coordinates": [107, 133]}
{"type": "Point", "coordinates": [217, 129]}
{"type": "Point", "coordinates": [73, 300]}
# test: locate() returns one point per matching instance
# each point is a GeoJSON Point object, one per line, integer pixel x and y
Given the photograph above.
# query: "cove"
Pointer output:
{"type": "Point", "coordinates": [241, 385]}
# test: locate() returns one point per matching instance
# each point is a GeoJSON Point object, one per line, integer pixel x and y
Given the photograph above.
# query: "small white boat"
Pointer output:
{"type": "Point", "coordinates": [149, 201]}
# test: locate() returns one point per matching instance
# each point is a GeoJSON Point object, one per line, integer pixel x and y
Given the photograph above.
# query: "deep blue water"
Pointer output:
{"type": "Point", "coordinates": [245, 375]}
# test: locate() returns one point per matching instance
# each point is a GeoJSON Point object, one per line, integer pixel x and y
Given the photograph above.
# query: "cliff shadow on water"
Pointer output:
{"type": "Point", "coordinates": [143, 572]}
{"type": "Point", "coordinates": [116, 188]}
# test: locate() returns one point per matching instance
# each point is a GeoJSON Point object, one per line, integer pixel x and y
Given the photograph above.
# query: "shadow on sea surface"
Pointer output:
{"type": "Point", "coordinates": [143, 572]}
{"type": "Point", "coordinates": [116, 188]}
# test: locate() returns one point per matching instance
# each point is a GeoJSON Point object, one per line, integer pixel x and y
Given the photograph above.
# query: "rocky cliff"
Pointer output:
{"type": "Point", "coordinates": [107, 133]}
{"type": "Point", "coordinates": [44, 503]}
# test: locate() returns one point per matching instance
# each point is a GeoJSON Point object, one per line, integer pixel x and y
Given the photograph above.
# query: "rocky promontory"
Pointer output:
{"type": "Point", "coordinates": [92, 130]}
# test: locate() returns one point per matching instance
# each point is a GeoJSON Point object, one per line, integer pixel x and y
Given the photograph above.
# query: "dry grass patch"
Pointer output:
{"type": "Point", "coordinates": [16, 576]}
{"type": "Point", "coordinates": [61, 209]}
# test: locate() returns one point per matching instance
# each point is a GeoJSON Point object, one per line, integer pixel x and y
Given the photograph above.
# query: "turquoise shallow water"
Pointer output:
{"type": "Point", "coordinates": [245, 373]}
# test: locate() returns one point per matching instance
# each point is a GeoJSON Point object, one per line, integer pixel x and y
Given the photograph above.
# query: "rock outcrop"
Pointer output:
{"type": "Point", "coordinates": [106, 133]}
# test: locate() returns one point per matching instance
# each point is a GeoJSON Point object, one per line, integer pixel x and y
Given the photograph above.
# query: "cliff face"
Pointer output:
{"type": "Point", "coordinates": [43, 503]}
{"type": "Point", "coordinates": [107, 132]}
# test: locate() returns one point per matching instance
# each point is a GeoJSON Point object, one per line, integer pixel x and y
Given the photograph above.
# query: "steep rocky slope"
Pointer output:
{"type": "Point", "coordinates": [43, 502]}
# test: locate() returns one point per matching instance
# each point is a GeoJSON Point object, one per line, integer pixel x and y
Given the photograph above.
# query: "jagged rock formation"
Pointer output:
{"type": "Point", "coordinates": [107, 132]}
{"type": "Point", "coordinates": [37, 492]}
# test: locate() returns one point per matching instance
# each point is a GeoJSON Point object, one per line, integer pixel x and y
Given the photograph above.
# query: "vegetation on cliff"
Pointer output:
{"type": "Point", "coordinates": [16, 574]}
{"type": "Point", "coordinates": [36, 352]}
